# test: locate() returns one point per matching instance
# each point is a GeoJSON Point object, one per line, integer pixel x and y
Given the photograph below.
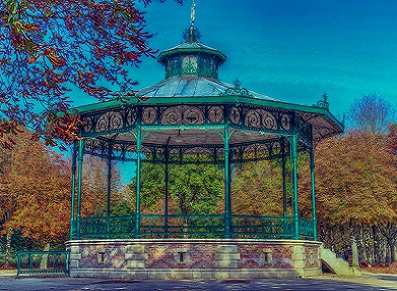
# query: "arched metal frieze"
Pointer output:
{"type": "Point", "coordinates": [216, 114]}
{"type": "Point", "coordinates": [235, 116]}
{"type": "Point", "coordinates": [261, 119]}
{"type": "Point", "coordinates": [108, 121]}
{"type": "Point", "coordinates": [285, 121]}
{"type": "Point", "coordinates": [322, 133]}
{"type": "Point", "coordinates": [193, 115]}
{"type": "Point", "coordinates": [304, 129]}
{"type": "Point", "coordinates": [149, 115]}
{"type": "Point", "coordinates": [183, 115]}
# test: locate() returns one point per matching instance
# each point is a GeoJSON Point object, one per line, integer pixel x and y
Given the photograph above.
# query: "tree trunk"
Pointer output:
{"type": "Point", "coordinates": [387, 260]}
{"type": "Point", "coordinates": [362, 247]}
{"type": "Point", "coordinates": [8, 249]}
{"type": "Point", "coordinates": [375, 238]}
{"type": "Point", "coordinates": [353, 246]}
{"type": "Point", "coordinates": [392, 252]}
{"type": "Point", "coordinates": [44, 258]}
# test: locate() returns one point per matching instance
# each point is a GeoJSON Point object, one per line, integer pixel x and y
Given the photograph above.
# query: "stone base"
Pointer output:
{"type": "Point", "coordinates": [157, 259]}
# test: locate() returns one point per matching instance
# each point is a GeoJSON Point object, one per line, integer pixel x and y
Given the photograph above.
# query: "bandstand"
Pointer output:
{"type": "Point", "coordinates": [193, 117]}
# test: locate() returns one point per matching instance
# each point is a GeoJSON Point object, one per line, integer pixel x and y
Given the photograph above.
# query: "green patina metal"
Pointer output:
{"type": "Point", "coordinates": [313, 190]}
{"type": "Point", "coordinates": [29, 262]}
{"type": "Point", "coordinates": [226, 137]}
{"type": "Point", "coordinates": [79, 185]}
{"type": "Point", "coordinates": [199, 225]}
{"type": "Point", "coordinates": [73, 194]}
{"type": "Point", "coordinates": [295, 184]}
{"type": "Point", "coordinates": [191, 117]}
{"type": "Point", "coordinates": [138, 183]}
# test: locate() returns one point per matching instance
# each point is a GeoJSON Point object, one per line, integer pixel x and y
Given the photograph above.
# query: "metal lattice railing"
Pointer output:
{"type": "Point", "coordinates": [191, 226]}
{"type": "Point", "coordinates": [263, 227]}
{"type": "Point", "coordinates": [43, 262]}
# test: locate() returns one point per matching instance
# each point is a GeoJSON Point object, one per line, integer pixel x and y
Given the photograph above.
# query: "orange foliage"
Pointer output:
{"type": "Point", "coordinates": [355, 180]}
{"type": "Point", "coordinates": [50, 46]}
{"type": "Point", "coordinates": [35, 191]}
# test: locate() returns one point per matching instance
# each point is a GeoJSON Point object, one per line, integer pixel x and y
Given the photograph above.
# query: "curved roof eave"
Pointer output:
{"type": "Point", "coordinates": [325, 113]}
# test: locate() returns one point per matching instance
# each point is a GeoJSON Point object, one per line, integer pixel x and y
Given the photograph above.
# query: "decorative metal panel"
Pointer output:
{"type": "Point", "coordinates": [261, 119]}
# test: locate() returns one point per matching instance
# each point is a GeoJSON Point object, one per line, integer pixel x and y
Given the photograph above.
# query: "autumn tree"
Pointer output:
{"type": "Point", "coordinates": [356, 183]}
{"type": "Point", "coordinates": [34, 192]}
{"type": "Point", "coordinates": [48, 48]}
{"type": "Point", "coordinates": [95, 186]}
{"type": "Point", "coordinates": [371, 113]}
{"type": "Point", "coordinates": [257, 189]}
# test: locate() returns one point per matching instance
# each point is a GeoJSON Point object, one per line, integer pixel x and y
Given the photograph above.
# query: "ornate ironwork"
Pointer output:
{"type": "Point", "coordinates": [266, 149]}
{"type": "Point", "coordinates": [260, 150]}
{"type": "Point", "coordinates": [323, 103]}
{"type": "Point", "coordinates": [58, 262]}
{"type": "Point", "coordinates": [195, 225]}
{"type": "Point", "coordinates": [236, 91]}
{"type": "Point", "coordinates": [304, 129]}
{"type": "Point", "coordinates": [263, 119]}
{"type": "Point", "coordinates": [242, 116]}
{"type": "Point", "coordinates": [306, 228]}
{"type": "Point", "coordinates": [109, 121]}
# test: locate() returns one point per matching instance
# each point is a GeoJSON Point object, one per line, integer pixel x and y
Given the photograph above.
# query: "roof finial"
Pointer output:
{"type": "Point", "coordinates": [192, 18]}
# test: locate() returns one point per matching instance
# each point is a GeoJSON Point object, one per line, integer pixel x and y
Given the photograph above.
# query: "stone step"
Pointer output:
{"type": "Point", "coordinates": [337, 265]}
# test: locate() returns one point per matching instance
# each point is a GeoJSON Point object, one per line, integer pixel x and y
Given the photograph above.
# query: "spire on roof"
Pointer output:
{"type": "Point", "coordinates": [192, 34]}
{"type": "Point", "coordinates": [192, 18]}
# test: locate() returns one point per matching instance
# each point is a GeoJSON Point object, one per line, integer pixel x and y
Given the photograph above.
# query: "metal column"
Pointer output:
{"type": "Point", "coordinates": [109, 184]}
{"type": "Point", "coordinates": [79, 185]}
{"type": "Point", "coordinates": [138, 182]}
{"type": "Point", "coordinates": [166, 190]}
{"type": "Point", "coordinates": [227, 183]}
{"type": "Point", "coordinates": [284, 174]}
{"type": "Point", "coordinates": [294, 146]}
{"type": "Point", "coordinates": [72, 220]}
{"type": "Point", "coordinates": [314, 215]}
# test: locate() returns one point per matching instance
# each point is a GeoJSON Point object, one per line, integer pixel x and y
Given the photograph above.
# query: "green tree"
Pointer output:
{"type": "Point", "coordinates": [194, 188]}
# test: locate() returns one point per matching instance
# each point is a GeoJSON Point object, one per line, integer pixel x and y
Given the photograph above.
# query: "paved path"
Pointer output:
{"type": "Point", "coordinates": [326, 282]}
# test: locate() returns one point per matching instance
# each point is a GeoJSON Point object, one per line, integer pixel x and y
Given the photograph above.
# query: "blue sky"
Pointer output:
{"type": "Point", "coordinates": [293, 51]}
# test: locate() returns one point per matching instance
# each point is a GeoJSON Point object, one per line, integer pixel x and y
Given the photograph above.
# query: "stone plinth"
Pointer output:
{"type": "Point", "coordinates": [193, 258]}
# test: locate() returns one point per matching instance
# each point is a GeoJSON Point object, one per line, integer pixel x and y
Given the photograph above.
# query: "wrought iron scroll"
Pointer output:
{"type": "Point", "coordinates": [236, 90]}
{"type": "Point", "coordinates": [254, 151]}
{"type": "Point", "coordinates": [304, 129]}
{"type": "Point", "coordinates": [100, 122]}
{"type": "Point", "coordinates": [323, 103]}
{"type": "Point", "coordinates": [242, 116]}
{"type": "Point", "coordinates": [261, 119]}
{"type": "Point", "coordinates": [266, 149]}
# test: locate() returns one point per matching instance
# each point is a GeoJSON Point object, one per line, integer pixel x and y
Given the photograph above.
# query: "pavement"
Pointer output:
{"type": "Point", "coordinates": [368, 281]}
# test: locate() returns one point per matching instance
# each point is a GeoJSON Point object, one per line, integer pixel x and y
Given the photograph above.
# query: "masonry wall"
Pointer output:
{"type": "Point", "coordinates": [193, 258]}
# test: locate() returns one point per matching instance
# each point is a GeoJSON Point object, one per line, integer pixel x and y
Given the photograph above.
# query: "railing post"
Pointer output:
{"type": "Point", "coordinates": [18, 262]}
{"type": "Point", "coordinates": [30, 262]}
